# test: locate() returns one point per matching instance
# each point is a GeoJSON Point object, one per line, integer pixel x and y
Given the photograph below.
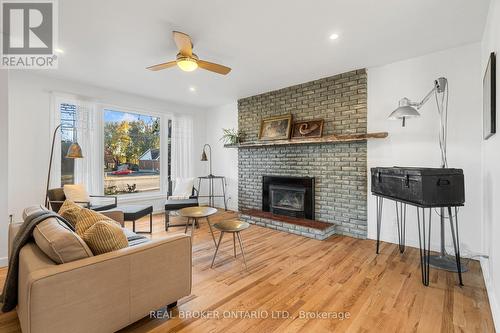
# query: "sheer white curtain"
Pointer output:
{"type": "Point", "coordinates": [182, 147]}
{"type": "Point", "coordinates": [55, 120]}
{"type": "Point", "coordinates": [88, 170]}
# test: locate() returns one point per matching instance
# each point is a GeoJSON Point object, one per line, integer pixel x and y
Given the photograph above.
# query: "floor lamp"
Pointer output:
{"type": "Point", "coordinates": [210, 175]}
{"type": "Point", "coordinates": [408, 109]}
{"type": "Point", "coordinates": [74, 151]}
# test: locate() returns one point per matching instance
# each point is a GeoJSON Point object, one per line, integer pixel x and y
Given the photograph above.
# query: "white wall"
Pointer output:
{"type": "Point", "coordinates": [225, 161]}
{"type": "Point", "coordinates": [417, 143]}
{"type": "Point", "coordinates": [30, 137]}
{"type": "Point", "coordinates": [491, 172]}
{"type": "Point", "coordinates": [4, 219]}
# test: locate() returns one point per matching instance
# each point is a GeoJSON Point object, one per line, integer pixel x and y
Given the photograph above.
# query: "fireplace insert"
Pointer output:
{"type": "Point", "coordinates": [289, 196]}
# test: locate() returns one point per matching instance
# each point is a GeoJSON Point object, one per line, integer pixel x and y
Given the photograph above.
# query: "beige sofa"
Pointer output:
{"type": "Point", "coordinates": [103, 293]}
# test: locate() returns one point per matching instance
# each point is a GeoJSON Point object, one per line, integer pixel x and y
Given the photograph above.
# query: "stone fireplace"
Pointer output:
{"type": "Point", "coordinates": [288, 196]}
{"type": "Point", "coordinates": [317, 189]}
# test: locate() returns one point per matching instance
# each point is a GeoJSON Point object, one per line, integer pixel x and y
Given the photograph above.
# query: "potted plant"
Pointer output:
{"type": "Point", "coordinates": [231, 136]}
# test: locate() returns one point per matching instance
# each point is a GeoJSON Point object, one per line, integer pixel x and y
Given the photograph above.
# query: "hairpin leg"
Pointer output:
{"type": "Point", "coordinates": [401, 222]}
{"type": "Point", "coordinates": [380, 202]}
{"type": "Point", "coordinates": [424, 240]}
{"type": "Point", "coordinates": [456, 243]}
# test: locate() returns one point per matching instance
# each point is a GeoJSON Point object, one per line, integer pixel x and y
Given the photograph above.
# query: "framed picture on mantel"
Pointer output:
{"type": "Point", "coordinates": [308, 129]}
{"type": "Point", "coordinates": [489, 98]}
{"type": "Point", "coordinates": [276, 128]}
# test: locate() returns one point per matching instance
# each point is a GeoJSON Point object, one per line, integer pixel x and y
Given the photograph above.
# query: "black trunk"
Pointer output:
{"type": "Point", "coordinates": [429, 187]}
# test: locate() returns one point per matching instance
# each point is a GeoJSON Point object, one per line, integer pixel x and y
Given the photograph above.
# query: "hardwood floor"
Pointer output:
{"type": "Point", "coordinates": [290, 277]}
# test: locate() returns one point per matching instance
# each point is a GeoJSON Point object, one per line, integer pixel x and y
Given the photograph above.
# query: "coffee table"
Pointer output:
{"type": "Point", "coordinates": [234, 227]}
{"type": "Point", "coordinates": [135, 212]}
{"type": "Point", "coordinates": [194, 214]}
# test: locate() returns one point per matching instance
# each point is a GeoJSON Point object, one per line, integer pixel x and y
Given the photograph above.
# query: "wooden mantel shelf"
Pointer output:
{"type": "Point", "coordinates": [325, 139]}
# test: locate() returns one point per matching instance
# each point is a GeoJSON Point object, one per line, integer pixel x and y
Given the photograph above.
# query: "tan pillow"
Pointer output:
{"type": "Point", "coordinates": [70, 210]}
{"type": "Point", "coordinates": [105, 236]}
{"type": "Point", "coordinates": [87, 218]}
{"type": "Point", "coordinates": [59, 243]}
{"type": "Point", "coordinates": [76, 193]}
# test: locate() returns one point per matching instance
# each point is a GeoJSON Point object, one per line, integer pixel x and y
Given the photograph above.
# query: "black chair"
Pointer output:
{"type": "Point", "coordinates": [57, 198]}
{"type": "Point", "coordinates": [173, 205]}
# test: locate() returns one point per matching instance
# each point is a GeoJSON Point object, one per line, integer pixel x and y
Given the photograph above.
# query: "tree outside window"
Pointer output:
{"type": "Point", "coordinates": [131, 152]}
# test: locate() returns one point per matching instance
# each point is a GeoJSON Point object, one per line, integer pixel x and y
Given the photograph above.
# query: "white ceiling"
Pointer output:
{"type": "Point", "coordinates": [269, 44]}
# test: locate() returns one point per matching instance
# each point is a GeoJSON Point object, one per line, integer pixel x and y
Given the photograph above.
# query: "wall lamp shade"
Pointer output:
{"type": "Point", "coordinates": [404, 110]}
{"type": "Point", "coordinates": [74, 151]}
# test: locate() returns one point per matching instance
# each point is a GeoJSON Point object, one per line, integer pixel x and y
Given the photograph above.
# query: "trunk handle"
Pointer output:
{"type": "Point", "coordinates": [407, 180]}
{"type": "Point", "coordinates": [443, 182]}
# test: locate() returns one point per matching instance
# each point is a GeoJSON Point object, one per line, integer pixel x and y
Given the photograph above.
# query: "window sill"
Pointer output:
{"type": "Point", "coordinates": [126, 198]}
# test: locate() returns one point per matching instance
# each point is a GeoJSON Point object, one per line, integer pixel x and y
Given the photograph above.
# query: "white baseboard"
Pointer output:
{"type": "Point", "coordinates": [494, 305]}
{"type": "Point", "coordinates": [4, 261]}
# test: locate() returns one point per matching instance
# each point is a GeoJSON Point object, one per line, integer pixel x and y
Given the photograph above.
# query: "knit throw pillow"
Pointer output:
{"type": "Point", "coordinates": [70, 211]}
{"type": "Point", "coordinates": [87, 218]}
{"type": "Point", "coordinates": [105, 236]}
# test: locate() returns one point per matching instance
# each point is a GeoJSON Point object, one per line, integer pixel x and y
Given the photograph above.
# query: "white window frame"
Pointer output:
{"type": "Point", "coordinates": [61, 97]}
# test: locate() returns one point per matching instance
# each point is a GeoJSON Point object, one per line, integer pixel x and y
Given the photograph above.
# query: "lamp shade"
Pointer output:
{"type": "Point", "coordinates": [204, 156]}
{"type": "Point", "coordinates": [404, 110]}
{"type": "Point", "coordinates": [74, 151]}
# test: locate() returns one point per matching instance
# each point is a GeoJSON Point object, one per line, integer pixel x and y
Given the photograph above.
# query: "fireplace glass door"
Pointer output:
{"type": "Point", "coordinates": [287, 200]}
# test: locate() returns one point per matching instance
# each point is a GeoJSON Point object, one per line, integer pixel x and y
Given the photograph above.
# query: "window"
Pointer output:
{"type": "Point", "coordinates": [68, 120]}
{"type": "Point", "coordinates": [132, 154]}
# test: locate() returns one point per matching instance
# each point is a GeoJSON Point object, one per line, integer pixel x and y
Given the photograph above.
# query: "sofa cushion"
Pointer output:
{"type": "Point", "coordinates": [31, 210]}
{"type": "Point", "coordinates": [179, 204]}
{"type": "Point", "coordinates": [105, 236]}
{"type": "Point", "coordinates": [60, 243]}
{"type": "Point", "coordinates": [87, 218]}
{"type": "Point", "coordinates": [76, 193]}
{"type": "Point", "coordinates": [70, 211]}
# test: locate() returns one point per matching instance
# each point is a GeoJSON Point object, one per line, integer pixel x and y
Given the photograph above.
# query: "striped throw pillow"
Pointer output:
{"type": "Point", "coordinates": [87, 218]}
{"type": "Point", "coordinates": [105, 236]}
{"type": "Point", "coordinates": [70, 211]}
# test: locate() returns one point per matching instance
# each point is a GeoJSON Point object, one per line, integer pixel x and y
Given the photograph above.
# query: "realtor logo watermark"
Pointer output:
{"type": "Point", "coordinates": [29, 34]}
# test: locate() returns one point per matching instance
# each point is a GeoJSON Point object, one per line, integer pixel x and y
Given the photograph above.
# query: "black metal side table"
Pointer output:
{"type": "Point", "coordinates": [211, 195]}
{"type": "Point", "coordinates": [424, 231]}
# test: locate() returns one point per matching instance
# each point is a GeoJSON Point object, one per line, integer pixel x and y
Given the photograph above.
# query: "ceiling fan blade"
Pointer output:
{"type": "Point", "coordinates": [183, 42]}
{"type": "Point", "coordinates": [210, 66]}
{"type": "Point", "coordinates": [162, 66]}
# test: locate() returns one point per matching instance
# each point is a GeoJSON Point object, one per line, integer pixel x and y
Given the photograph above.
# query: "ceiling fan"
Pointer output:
{"type": "Point", "coordinates": [187, 60]}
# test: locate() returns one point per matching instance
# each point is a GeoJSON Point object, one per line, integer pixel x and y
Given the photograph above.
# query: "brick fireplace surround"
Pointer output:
{"type": "Point", "coordinates": [339, 169]}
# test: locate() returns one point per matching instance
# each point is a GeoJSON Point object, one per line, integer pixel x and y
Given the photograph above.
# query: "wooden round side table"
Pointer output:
{"type": "Point", "coordinates": [194, 214]}
{"type": "Point", "coordinates": [234, 227]}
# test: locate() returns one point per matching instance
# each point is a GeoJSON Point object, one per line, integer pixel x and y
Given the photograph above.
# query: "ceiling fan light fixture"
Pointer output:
{"type": "Point", "coordinates": [186, 60]}
{"type": "Point", "coordinates": [187, 64]}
